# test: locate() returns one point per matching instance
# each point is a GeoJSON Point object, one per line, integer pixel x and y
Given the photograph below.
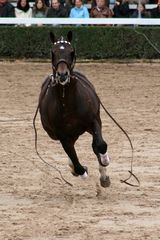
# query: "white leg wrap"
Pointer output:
{"type": "Point", "coordinates": [71, 166]}
{"type": "Point", "coordinates": [70, 163]}
{"type": "Point", "coordinates": [105, 159]}
{"type": "Point", "coordinates": [102, 171]}
{"type": "Point", "coordinates": [84, 176]}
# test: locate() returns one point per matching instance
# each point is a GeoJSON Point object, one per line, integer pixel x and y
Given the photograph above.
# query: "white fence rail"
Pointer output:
{"type": "Point", "coordinates": [81, 21]}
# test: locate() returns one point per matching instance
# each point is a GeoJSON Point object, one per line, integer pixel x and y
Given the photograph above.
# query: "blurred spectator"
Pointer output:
{"type": "Point", "coordinates": [155, 12]}
{"type": "Point", "coordinates": [112, 2]}
{"type": "Point", "coordinates": [107, 2]}
{"type": "Point", "coordinates": [23, 9]}
{"type": "Point", "coordinates": [101, 10]}
{"type": "Point", "coordinates": [152, 1]}
{"type": "Point", "coordinates": [6, 9]}
{"type": "Point", "coordinates": [121, 9]}
{"type": "Point", "coordinates": [68, 4]}
{"type": "Point", "coordinates": [140, 12]}
{"type": "Point", "coordinates": [57, 10]}
{"type": "Point", "coordinates": [39, 9]}
{"type": "Point", "coordinates": [79, 10]}
{"type": "Point", "coordinates": [47, 2]}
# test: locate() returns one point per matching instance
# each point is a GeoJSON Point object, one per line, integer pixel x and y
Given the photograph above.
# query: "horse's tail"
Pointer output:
{"type": "Point", "coordinates": [126, 134]}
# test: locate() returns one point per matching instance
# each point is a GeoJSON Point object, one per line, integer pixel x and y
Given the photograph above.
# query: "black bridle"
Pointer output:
{"type": "Point", "coordinates": [56, 76]}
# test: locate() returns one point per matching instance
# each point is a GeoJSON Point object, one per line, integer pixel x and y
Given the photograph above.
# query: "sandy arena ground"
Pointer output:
{"type": "Point", "coordinates": [35, 205]}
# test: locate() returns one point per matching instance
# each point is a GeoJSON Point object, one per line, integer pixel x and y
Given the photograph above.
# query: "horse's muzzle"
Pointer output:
{"type": "Point", "coordinates": [63, 78]}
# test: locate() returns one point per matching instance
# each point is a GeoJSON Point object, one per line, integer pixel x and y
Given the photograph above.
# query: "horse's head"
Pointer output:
{"type": "Point", "coordinates": [63, 58]}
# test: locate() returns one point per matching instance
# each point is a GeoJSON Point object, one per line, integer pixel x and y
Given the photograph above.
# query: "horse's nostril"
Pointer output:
{"type": "Point", "coordinates": [63, 77]}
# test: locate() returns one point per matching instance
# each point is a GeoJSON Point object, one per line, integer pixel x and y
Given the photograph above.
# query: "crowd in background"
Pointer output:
{"type": "Point", "coordinates": [77, 9]}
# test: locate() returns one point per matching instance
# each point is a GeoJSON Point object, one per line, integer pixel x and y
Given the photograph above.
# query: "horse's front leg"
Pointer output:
{"type": "Point", "coordinates": [100, 149]}
{"type": "Point", "coordinates": [76, 168]}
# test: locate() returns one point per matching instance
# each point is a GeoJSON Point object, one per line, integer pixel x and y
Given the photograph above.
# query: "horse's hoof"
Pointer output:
{"type": "Point", "coordinates": [85, 175]}
{"type": "Point", "coordinates": [74, 174]}
{"type": "Point", "coordinates": [105, 182]}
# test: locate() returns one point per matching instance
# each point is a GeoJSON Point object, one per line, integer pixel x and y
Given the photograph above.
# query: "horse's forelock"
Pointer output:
{"type": "Point", "coordinates": [62, 39]}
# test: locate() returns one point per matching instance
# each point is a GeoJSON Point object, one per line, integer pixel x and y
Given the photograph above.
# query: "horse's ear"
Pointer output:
{"type": "Point", "coordinates": [69, 36]}
{"type": "Point", "coordinates": [52, 37]}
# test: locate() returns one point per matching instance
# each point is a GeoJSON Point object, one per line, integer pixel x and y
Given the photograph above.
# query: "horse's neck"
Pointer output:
{"type": "Point", "coordinates": [64, 92]}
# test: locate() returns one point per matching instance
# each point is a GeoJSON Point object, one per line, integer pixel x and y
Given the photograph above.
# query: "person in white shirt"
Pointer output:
{"type": "Point", "coordinates": [23, 9]}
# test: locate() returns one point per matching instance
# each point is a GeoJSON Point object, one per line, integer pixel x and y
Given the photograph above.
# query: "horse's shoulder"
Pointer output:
{"type": "Point", "coordinates": [46, 82]}
{"type": "Point", "coordinates": [80, 76]}
{"type": "Point", "coordinates": [44, 87]}
{"type": "Point", "coordinates": [83, 79]}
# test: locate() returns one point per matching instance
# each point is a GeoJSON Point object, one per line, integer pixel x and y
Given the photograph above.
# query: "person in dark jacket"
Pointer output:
{"type": "Point", "coordinates": [121, 9]}
{"type": "Point", "coordinates": [155, 12]}
{"type": "Point", "coordinates": [6, 9]}
{"type": "Point", "coordinates": [57, 10]}
{"type": "Point", "coordinates": [140, 11]}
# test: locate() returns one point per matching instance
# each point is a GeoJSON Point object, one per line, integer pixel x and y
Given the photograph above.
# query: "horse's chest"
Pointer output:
{"type": "Point", "coordinates": [69, 122]}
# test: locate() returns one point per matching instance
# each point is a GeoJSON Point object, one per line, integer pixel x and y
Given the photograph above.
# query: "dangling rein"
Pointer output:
{"type": "Point", "coordinates": [48, 85]}
{"type": "Point", "coordinates": [131, 170]}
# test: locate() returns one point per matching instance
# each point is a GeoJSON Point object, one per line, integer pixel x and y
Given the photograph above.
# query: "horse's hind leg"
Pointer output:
{"type": "Point", "coordinates": [100, 149]}
{"type": "Point", "coordinates": [77, 168]}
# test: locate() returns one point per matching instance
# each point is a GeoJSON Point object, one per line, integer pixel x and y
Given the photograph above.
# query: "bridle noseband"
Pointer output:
{"type": "Point", "coordinates": [58, 77]}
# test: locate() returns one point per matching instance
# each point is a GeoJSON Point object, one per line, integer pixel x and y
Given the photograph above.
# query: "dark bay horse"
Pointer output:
{"type": "Point", "coordinates": [69, 106]}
